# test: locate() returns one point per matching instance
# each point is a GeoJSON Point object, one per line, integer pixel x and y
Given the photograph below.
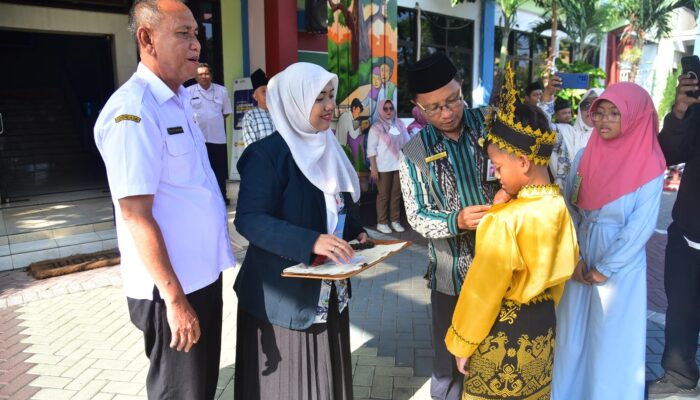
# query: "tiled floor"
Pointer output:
{"type": "Point", "coordinates": [54, 226]}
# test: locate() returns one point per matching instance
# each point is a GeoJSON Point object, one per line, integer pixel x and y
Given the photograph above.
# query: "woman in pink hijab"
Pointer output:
{"type": "Point", "coordinates": [419, 121]}
{"type": "Point", "coordinates": [386, 137]}
{"type": "Point", "coordinates": [614, 200]}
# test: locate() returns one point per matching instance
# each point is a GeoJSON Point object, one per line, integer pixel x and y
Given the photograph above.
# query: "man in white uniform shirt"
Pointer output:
{"type": "Point", "coordinates": [211, 107]}
{"type": "Point", "coordinates": [171, 220]}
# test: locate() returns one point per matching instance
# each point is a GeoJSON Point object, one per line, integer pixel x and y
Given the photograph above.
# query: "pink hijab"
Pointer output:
{"type": "Point", "coordinates": [383, 125]}
{"type": "Point", "coordinates": [419, 121]}
{"type": "Point", "coordinates": [609, 169]}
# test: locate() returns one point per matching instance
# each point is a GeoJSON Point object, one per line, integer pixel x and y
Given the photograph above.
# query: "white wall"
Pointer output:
{"type": "Point", "coordinates": [58, 20]}
{"type": "Point", "coordinates": [256, 34]}
{"type": "Point", "coordinates": [470, 11]}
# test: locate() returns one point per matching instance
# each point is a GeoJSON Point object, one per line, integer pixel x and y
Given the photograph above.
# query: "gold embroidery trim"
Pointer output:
{"type": "Point", "coordinates": [461, 339]}
{"type": "Point", "coordinates": [127, 117]}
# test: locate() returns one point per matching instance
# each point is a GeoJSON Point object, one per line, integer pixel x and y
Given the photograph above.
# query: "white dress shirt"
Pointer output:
{"type": "Point", "coordinates": [151, 146]}
{"type": "Point", "coordinates": [209, 107]}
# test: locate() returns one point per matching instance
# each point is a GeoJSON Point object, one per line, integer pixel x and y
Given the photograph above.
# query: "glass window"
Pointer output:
{"type": "Point", "coordinates": [439, 33]}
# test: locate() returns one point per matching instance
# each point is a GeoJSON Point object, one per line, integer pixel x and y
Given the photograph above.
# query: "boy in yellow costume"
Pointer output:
{"type": "Point", "coordinates": [503, 327]}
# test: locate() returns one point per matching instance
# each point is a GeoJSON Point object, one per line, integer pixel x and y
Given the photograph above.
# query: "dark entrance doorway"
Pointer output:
{"type": "Point", "coordinates": [53, 87]}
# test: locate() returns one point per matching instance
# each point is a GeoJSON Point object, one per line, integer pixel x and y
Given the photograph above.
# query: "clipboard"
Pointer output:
{"type": "Point", "coordinates": [304, 271]}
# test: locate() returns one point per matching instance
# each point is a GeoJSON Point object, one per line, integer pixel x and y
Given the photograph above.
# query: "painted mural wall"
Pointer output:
{"type": "Point", "coordinates": [362, 47]}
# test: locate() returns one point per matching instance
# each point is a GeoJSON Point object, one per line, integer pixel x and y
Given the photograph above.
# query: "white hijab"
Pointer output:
{"type": "Point", "coordinates": [576, 137]}
{"type": "Point", "coordinates": [291, 94]}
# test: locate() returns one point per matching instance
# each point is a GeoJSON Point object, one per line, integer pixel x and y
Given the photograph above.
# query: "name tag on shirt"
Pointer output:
{"type": "Point", "coordinates": [436, 157]}
{"type": "Point", "coordinates": [577, 187]}
{"type": "Point", "coordinates": [175, 130]}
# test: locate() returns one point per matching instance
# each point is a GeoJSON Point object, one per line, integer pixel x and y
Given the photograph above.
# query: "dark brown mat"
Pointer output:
{"type": "Point", "coordinates": [75, 263]}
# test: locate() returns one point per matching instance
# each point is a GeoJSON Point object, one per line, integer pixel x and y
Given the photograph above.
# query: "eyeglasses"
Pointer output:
{"type": "Point", "coordinates": [598, 116]}
{"type": "Point", "coordinates": [451, 104]}
{"type": "Point", "coordinates": [387, 109]}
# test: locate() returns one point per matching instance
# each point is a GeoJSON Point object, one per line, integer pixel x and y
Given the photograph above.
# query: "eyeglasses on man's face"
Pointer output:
{"type": "Point", "coordinates": [598, 116]}
{"type": "Point", "coordinates": [452, 104]}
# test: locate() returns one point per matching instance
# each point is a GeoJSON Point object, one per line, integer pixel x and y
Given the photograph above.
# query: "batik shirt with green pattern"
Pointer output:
{"type": "Point", "coordinates": [439, 177]}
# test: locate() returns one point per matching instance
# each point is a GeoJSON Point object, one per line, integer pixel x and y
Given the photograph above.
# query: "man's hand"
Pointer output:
{"type": "Point", "coordinates": [593, 277]}
{"type": "Point", "coordinates": [553, 86]}
{"type": "Point", "coordinates": [184, 325]}
{"type": "Point", "coordinates": [683, 101]}
{"type": "Point", "coordinates": [463, 365]}
{"type": "Point", "coordinates": [469, 217]}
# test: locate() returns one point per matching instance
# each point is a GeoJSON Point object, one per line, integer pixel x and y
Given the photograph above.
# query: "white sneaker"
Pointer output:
{"type": "Point", "coordinates": [397, 226]}
{"type": "Point", "coordinates": [383, 228]}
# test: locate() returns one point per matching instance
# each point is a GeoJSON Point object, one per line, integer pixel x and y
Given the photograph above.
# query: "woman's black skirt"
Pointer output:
{"type": "Point", "coordinates": [515, 360]}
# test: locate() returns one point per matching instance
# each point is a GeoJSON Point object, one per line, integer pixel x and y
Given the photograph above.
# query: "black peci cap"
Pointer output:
{"type": "Point", "coordinates": [430, 73]}
{"type": "Point", "coordinates": [258, 78]}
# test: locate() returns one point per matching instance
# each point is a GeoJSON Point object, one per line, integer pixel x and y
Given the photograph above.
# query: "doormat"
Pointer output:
{"type": "Point", "coordinates": [75, 263]}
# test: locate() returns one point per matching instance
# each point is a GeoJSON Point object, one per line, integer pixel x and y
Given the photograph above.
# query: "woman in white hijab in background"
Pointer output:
{"type": "Point", "coordinates": [570, 139]}
{"type": "Point", "coordinates": [294, 206]}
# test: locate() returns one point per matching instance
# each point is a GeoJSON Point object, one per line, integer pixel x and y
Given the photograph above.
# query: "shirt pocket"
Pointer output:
{"type": "Point", "coordinates": [196, 103]}
{"type": "Point", "coordinates": [180, 156]}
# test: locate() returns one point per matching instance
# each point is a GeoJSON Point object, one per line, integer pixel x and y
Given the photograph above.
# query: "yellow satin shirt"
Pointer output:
{"type": "Point", "coordinates": [523, 248]}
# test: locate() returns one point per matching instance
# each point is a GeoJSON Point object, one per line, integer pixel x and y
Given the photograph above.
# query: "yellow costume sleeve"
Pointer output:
{"type": "Point", "coordinates": [487, 282]}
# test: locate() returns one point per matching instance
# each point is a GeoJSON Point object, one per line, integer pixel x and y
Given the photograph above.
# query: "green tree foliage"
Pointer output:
{"type": "Point", "coordinates": [584, 21]}
{"type": "Point", "coordinates": [669, 93]}
{"type": "Point", "coordinates": [647, 19]}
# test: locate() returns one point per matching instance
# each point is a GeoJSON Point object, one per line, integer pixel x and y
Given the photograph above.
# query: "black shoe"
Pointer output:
{"type": "Point", "coordinates": [663, 388]}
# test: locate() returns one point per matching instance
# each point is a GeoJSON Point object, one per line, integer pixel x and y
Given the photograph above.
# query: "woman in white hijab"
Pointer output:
{"type": "Point", "coordinates": [294, 206]}
{"type": "Point", "coordinates": [570, 139]}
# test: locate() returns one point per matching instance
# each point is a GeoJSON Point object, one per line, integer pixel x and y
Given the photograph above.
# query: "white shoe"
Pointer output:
{"type": "Point", "coordinates": [383, 228]}
{"type": "Point", "coordinates": [397, 226]}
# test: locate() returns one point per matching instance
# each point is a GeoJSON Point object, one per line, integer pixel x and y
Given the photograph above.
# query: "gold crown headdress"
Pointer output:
{"type": "Point", "coordinates": [512, 136]}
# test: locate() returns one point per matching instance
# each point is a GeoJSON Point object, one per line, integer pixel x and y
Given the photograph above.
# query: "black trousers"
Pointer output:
{"type": "Point", "coordinates": [447, 382]}
{"type": "Point", "coordinates": [682, 284]}
{"type": "Point", "coordinates": [218, 159]}
{"type": "Point", "coordinates": [173, 374]}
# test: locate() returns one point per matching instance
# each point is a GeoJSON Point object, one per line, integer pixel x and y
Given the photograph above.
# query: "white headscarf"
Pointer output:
{"type": "Point", "coordinates": [576, 137]}
{"type": "Point", "coordinates": [291, 95]}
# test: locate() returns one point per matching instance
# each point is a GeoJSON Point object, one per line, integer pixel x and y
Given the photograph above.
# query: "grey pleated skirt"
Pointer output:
{"type": "Point", "coordinates": [275, 363]}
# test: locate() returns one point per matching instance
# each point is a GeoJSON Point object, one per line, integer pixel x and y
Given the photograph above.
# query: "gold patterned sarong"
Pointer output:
{"type": "Point", "coordinates": [515, 360]}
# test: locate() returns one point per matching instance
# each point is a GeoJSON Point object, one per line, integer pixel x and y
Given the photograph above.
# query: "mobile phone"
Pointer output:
{"type": "Point", "coordinates": [573, 81]}
{"type": "Point", "coordinates": [691, 65]}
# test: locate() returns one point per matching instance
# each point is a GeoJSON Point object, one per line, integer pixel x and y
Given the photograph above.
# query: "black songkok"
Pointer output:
{"type": "Point", "coordinates": [258, 78]}
{"type": "Point", "coordinates": [430, 73]}
{"type": "Point", "coordinates": [561, 104]}
{"type": "Point", "coordinates": [532, 87]}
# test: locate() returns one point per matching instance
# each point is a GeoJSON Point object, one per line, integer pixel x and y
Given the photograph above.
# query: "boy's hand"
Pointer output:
{"type": "Point", "coordinates": [462, 365]}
